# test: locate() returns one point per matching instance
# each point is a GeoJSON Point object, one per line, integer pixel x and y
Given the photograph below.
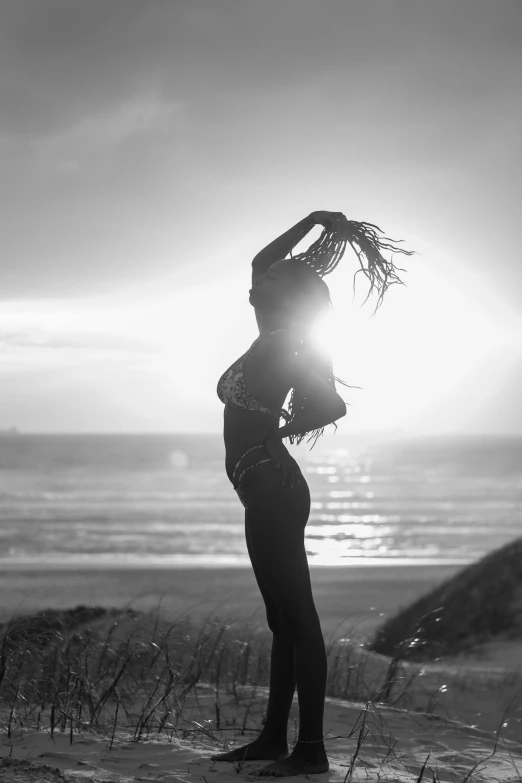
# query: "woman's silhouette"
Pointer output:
{"type": "Point", "coordinates": [288, 295]}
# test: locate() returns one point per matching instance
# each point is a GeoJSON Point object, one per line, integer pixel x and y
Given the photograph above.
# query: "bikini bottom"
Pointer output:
{"type": "Point", "coordinates": [237, 482]}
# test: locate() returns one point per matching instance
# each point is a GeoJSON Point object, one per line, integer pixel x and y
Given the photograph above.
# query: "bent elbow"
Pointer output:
{"type": "Point", "coordinates": [342, 411]}
{"type": "Point", "coordinates": [337, 412]}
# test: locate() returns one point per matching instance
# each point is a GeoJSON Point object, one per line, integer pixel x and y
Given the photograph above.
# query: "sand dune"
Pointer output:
{"type": "Point", "coordinates": [446, 714]}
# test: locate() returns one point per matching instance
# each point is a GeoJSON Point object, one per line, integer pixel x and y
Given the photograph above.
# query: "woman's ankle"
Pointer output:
{"type": "Point", "coordinates": [274, 736]}
{"type": "Point", "coordinates": [308, 748]}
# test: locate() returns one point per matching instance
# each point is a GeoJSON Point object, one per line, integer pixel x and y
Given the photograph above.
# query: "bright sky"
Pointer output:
{"type": "Point", "coordinates": [148, 150]}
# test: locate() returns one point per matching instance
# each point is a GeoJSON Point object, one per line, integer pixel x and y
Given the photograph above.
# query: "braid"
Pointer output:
{"type": "Point", "coordinates": [322, 257]}
{"type": "Point", "coordinates": [326, 252]}
{"type": "Point", "coordinates": [299, 402]}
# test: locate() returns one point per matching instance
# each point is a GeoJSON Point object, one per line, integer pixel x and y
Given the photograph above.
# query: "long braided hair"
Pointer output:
{"type": "Point", "coordinates": [311, 266]}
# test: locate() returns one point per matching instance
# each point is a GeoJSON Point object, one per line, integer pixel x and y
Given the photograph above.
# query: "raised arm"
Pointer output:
{"type": "Point", "coordinates": [280, 247]}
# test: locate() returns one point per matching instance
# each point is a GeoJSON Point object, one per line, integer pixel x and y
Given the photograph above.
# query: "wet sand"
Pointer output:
{"type": "Point", "coordinates": [348, 595]}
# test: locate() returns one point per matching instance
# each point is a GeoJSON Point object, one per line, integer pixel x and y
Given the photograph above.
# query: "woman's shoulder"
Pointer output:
{"type": "Point", "coordinates": [280, 342]}
{"type": "Point", "coordinates": [291, 335]}
{"type": "Point", "coordinates": [287, 343]}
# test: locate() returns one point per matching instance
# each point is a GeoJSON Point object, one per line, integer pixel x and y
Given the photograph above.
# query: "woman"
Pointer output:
{"type": "Point", "coordinates": [288, 295]}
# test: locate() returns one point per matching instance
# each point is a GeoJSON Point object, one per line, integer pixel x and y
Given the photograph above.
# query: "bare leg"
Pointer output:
{"type": "Point", "coordinates": [272, 741]}
{"type": "Point", "coordinates": [309, 755]}
{"type": "Point", "coordinates": [275, 520]}
{"type": "Point", "coordinates": [282, 687]}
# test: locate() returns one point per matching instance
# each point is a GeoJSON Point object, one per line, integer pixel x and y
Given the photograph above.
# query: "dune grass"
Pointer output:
{"type": "Point", "coordinates": [480, 602]}
{"type": "Point", "coordinates": [125, 673]}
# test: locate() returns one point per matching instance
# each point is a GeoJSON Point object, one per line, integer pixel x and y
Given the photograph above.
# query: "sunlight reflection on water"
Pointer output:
{"type": "Point", "coordinates": [169, 498]}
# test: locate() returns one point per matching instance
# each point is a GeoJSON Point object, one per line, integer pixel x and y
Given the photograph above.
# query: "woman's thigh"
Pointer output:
{"type": "Point", "coordinates": [275, 521]}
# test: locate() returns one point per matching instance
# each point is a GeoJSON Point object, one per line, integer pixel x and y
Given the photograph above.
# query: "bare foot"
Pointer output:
{"type": "Point", "coordinates": [294, 765]}
{"type": "Point", "coordinates": [258, 750]}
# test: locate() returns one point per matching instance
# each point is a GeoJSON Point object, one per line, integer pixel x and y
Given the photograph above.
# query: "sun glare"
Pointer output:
{"type": "Point", "coordinates": [325, 335]}
{"type": "Point", "coordinates": [428, 341]}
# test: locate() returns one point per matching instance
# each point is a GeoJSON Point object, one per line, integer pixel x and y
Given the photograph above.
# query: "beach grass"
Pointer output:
{"type": "Point", "coordinates": [142, 675]}
{"type": "Point", "coordinates": [481, 602]}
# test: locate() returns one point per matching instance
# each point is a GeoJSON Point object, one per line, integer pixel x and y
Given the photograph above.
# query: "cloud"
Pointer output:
{"type": "Point", "coordinates": [47, 335]}
{"type": "Point", "coordinates": [143, 115]}
{"type": "Point", "coordinates": [60, 60]}
{"type": "Point", "coordinates": [99, 343]}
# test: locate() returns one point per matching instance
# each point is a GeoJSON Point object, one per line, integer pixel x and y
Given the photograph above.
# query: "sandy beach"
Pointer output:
{"type": "Point", "coordinates": [378, 743]}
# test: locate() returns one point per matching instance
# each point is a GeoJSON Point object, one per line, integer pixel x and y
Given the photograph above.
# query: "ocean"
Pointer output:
{"type": "Point", "coordinates": [146, 500]}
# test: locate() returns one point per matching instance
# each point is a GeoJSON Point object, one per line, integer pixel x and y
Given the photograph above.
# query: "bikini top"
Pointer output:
{"type": "Point", "coordinates": [231, 388]}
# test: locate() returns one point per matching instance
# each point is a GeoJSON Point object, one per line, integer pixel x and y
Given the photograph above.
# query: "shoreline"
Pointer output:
{"type": "Point", "coordinates": [211, 563]}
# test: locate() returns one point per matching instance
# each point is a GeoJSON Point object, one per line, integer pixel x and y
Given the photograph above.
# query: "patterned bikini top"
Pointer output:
{"type": "Point", "coordinates": [231, 388]}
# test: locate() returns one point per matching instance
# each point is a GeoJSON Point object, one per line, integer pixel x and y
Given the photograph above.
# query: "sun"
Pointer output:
{"type": "Point", "coordinates": [324, 334]}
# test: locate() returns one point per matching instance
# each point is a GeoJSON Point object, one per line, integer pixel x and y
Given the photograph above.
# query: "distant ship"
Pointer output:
{"type": "Point", "coordinates": [9, 431]}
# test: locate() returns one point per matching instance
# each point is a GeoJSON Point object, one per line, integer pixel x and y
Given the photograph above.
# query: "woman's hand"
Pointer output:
{"type": "Point", "coordinates": [282, 458]}
{"type": "Point", "coordinates": [325, 218]}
